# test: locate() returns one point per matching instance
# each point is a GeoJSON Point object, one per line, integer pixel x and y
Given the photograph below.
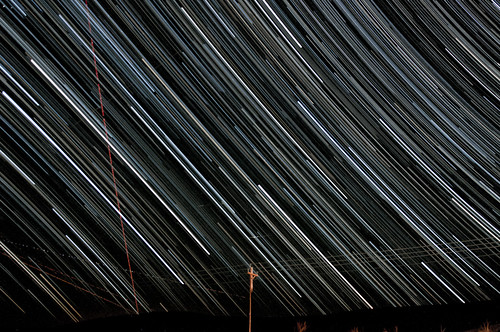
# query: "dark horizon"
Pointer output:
{"type": "Point", "coordinates": [452, 318]}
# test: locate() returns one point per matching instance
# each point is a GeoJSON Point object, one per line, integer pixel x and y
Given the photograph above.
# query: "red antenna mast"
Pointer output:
{"type": "Point", "coordinates": [252, 277]}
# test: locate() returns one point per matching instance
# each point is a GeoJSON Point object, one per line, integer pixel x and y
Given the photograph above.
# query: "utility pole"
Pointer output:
{"type": "Point", "coordinates": [252, 277]}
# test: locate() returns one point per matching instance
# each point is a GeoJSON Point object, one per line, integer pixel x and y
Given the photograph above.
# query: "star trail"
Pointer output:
{"type": "Point", "coordinates": [152, 151]}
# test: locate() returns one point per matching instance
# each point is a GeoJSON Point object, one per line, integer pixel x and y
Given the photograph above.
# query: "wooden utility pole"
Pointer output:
{"type": "Point", "coordinates": [252, 277]}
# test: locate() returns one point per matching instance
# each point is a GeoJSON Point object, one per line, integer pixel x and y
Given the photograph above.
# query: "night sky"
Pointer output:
{"type": "Point", "coordinates": [152, 151]}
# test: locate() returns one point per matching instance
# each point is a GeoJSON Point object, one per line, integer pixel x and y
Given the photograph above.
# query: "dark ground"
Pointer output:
{"type": "Point", "coordinates": [421, 319]}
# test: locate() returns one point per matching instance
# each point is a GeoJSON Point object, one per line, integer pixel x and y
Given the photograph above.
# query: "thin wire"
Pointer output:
{"type": "Point", "coordinates": [110, 159]}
